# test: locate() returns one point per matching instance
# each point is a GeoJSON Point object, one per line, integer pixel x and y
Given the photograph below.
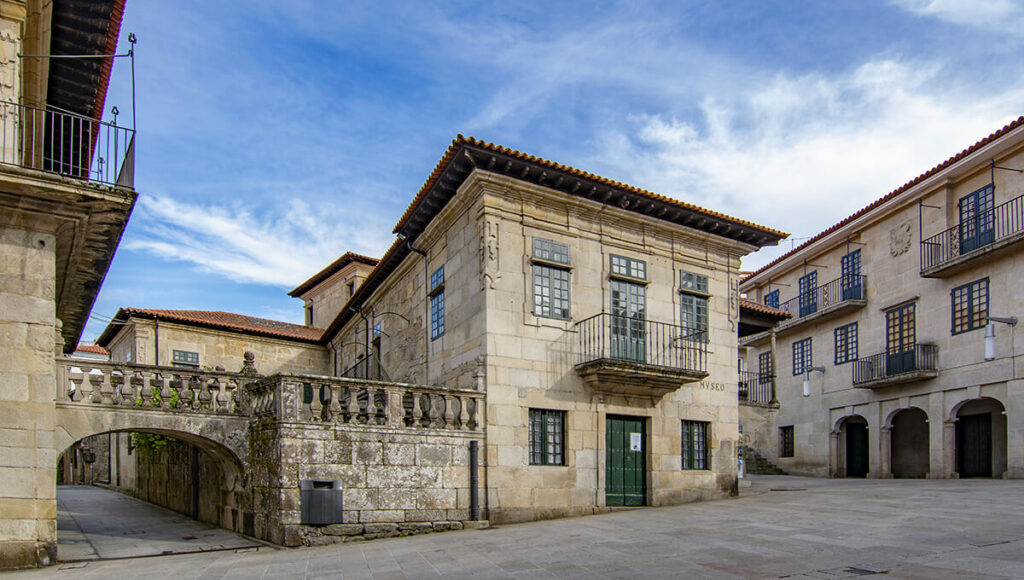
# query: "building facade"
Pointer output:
{"type": "Point", "coordinates": [211, 340]}
{"type": "Point", "coordinates": [62, 212]}
{"type": "Point", "coordinates": [600, 321]}
{"type": "Point", "coordinates": [884, 368]}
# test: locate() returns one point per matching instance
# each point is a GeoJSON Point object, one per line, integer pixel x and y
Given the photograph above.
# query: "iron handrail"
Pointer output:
{"type": "Point", "coordinates": [837, 291]}
{"type": "Point", "coordinates": [67, 144]}
{"type": "Point", "coordinates": [920, 357]}
{"type": "Point", "coordinates": [756, 387]}
{"type": "Point", "coordinates": [637, 340]}
{"type": "Point", "coordinates": [1000, 222]}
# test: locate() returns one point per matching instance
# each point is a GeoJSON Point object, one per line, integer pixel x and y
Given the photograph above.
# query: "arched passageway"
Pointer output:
{"type": "Point", "coordinates": [852, 453]}
{"type": "Point", "coordinates": [980, 438]}
{"type": "Point", "coordinates": [183, 472]}
{"type": "Point", "coordinates": [908, 444]}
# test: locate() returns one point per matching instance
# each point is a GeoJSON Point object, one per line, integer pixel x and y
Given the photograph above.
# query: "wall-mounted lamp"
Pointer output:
{"type": "Point", "coordinates": [990, 334]}
{"type": "Point", "coordinates": [807, 378]}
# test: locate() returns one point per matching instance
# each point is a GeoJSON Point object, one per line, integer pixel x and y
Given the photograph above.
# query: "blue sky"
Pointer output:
{"type": "Point", "coordinates": [273, 137]}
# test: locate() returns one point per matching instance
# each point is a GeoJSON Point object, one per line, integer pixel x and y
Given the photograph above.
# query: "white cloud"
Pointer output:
{"type": "Point", "coordinates": [802, 153]}
{"type": "Point", "coordinates": [281, 246]}
{"type": "Point", "coordinates": [1002, 15]}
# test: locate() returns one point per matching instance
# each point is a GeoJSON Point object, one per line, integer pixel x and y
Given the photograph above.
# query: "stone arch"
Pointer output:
{"type": "Point", "coordinates": [909, 443]}
{"type": "Point", "coordinates": [979, 437]}
{"type": "Point", "coordinates": [850, 454]}
{"type": "Point", "coordinates": [218, 446]}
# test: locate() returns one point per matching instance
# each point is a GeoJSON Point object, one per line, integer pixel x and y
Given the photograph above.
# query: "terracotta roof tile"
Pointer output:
{"type": "Point", "coordinates": [460, 141]}
{"type": "Point", "coordinates": [335, 266]}
{"type": "Point", "coordinates": [93, 348]}
{"type": "Point", "coordinates": [221, 320]}
{"type": "Point", "coordinates": [992, 137]}
{"type": "Point", "coordinates": [763, 309]}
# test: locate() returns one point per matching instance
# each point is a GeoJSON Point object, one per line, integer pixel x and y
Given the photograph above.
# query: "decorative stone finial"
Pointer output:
{"type": "Point", "coordinates": [249, 365]}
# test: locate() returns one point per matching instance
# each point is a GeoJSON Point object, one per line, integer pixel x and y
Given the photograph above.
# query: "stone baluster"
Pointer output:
{"type": "Point", "coordinates": [77, 382]}
{"type": "Point", "coordinates": [134, 383]}
{"type": "Point", "coordinates": [316, 405]}
{"type": "Point", "coordinates": [353, 404]}
{"type": "Point", "coordinates": [96, 382]}
{"type": "Point", "coordinates": [449, 411]}
{"type": "Point", "coordinates": [204, 396]}
{"type": "Point", "coordinates": [371, 407]}
{"type": "Point", "coordinates": [165, 391]}
{"type": "Point", "coordinates": [464, 412]}
{"type": "Point", "coordinates": [334, 404]}
{"type": "Point", "coordinates": [437, 404]}
{"type": "Point", "coordinates": [224, 400]}
{"type": "Point", "coordinates": [417, 411]}
{"type": "Point", "coordinates": [473, 403]}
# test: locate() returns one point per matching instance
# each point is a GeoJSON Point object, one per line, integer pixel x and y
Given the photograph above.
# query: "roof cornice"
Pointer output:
{"type": "Point", "coordinates": [967, 160]}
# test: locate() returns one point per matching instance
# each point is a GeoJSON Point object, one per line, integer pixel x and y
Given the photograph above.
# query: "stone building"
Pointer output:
{"type": "Point", "coordinates": [598, 318]}
{"type": "Point", "coordinates": [899, 359]}
{"type": "Point", "coordinates": [62, 212]}
{"type": "Point", "coordinates": [211, 340]}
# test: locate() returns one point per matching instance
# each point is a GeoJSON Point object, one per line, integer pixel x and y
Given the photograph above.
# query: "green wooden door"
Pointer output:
{"type": "Point", "coordinates": [625, 449]}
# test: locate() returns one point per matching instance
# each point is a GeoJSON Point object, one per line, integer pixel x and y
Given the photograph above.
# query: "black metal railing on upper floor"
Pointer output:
{"type": "Point", "coordinates": [636, 340]}
{"type": "Point", "coordinates": [756, 388]}
{"type": "Point", "coordinates": [888, 365]}
{"type": "Point", "coordinates": [67, 144]}
{"type": "Point", "coordinates": [837, 291]}
{"type": "Point", "coordinates": [985, 229]}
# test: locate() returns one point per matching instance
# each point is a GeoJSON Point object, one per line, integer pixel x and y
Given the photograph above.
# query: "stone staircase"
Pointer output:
{"type": "Point", "coordinates": [755, 463]}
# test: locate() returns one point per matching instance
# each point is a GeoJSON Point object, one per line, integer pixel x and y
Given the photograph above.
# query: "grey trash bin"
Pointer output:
{"type": "Point", "coordinates": [321, 502]}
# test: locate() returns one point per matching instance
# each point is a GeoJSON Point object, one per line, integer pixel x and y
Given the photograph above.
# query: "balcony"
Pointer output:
{"type": "Point", "coordinates": [66, 144]}
{"type": "Point", "coordinates": [757, 389]}
{"type": "Point", "coordinates": [633, 357]}
{"type": "Point", "coordinates": [840, 295]}
{"type": "Point", "coordinates": [945, 254]}
{"type": "Point", "coordinates": [884, 369]}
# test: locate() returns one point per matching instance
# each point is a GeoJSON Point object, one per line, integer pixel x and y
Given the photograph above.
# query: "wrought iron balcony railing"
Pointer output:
{"type": "Point", "coordinates": [842, 289]}
{"type": "Point", "coordinates": [987, 228]}
{"type": "Point", "coordinates": [890, 367]}
{"type": "Point", "coordinates": [636, 340]}
{"type": "Point", "coordinates": [756, 388]}
{"type": "Point", "coordinates": [67, 144]}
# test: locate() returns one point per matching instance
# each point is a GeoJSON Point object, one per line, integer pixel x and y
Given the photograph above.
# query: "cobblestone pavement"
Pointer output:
{"type": "Point", "coordinates": [782, 527]}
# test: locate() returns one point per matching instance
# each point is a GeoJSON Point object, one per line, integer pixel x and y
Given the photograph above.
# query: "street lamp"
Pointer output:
{"type": "Point", "coordinates": [990, 334]}
{"type": "Point", "coordinates": [807, 378]}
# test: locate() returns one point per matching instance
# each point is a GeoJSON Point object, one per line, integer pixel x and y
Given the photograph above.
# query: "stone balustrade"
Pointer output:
{"type": "Point", "coordinates": [360, 402]}
{"type": "Point", "coordinates": [151, 387]}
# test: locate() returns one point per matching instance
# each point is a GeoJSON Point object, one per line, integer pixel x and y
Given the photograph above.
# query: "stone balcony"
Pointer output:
{"type": "Point", "coordinates": [886, 369]}
{"type": "Point", "coordinates": [634, 357]}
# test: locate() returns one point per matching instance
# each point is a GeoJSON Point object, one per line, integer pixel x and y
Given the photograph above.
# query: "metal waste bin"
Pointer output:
{"type": "Point", "coordinates": [321, 502]}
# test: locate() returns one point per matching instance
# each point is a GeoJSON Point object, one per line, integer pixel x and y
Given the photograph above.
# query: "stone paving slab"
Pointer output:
{"type": "Point", "coordinates": [806, 529]}
{"type": "Point", "coordinates": [95, 523]}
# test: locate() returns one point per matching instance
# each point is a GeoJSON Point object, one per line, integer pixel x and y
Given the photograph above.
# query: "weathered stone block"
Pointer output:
{"type": "Point", "coordinates": [398, 499]}
{"type": "Point", "coordinates": [399, 454]}
{"type": "Point", "coordinates": [433, 455]}
{"type": "Point", "coordinates": [416, 527]}
{"type": "Point", "coordinates": [424, 515]}
{"type": "Point", "coordinates": [367, 453]}
{"type": "Point", "coordinates": [381, 528]}
{"type": "Point", "coordinates": [343, 529]}
{"type": "Point", "coordinates": [436, 499]}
